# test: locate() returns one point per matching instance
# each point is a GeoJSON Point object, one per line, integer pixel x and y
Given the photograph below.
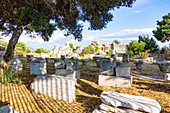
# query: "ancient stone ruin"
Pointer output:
{"type": "Point", "coordinates": [113, 75]}
{"type": "Point", "coordinates": [123, 103]}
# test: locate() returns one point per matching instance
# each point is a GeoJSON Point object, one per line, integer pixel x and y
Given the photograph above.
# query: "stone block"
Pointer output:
{"type": "Point", "coordinates": [125, 58]}
{"type": "Point", "coordinates": [118, 63]}
{"type": "Point", "coordinates": [97, 58]}
{"type": "Point", "coordinates": [105, 64]}
{"type": "Point", "coordinates": [163, 66]}
{"type": "Point", "coordinates": [131, 102]}
{"type": "Point", "coordinates": [38, 68]}
{"type": "Point", "coordinates": [98, 63]}
{"type": "Point", "coordinates": [48, 60]}
{"type": "Point", "coordinates": [167, 77]}
{"type": "Point", "coordinates": [7, 109]}
{"type": "Point", "coordinates": [2, 53]}
{"type": "Point", "coordinates": [16, 64]}
{"type": "Point", "coordinates": [60, 65]}
{"type": "Point", "coordinates": [122, 71]}
{"type": "Point", "coordinates": [84, 62]}
{"type": "Point", "coordinates": [57, 60]}
{"type": "Point", "coordinates": [59, 88]}
{"type": "Point", "coordinates": [160, 58]}
{"type": "Point", "coordinates": [115, 81]}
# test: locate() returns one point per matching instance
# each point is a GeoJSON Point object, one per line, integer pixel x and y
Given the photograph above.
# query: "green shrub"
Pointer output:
{"type": "Point", "coordinates": [19, 53]}
{"type": "Point", "coordinates": [10, 76]}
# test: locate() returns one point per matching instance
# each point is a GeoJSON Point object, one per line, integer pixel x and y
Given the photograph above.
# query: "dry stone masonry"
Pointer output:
{"type": "Point", "coordinates": [160, 58]}
{"type": "Point", "coordinates": [123, 103]}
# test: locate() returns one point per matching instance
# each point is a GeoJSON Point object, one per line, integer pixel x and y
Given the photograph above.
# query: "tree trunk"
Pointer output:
{"type": "Point", "coordinates": [5, 63]}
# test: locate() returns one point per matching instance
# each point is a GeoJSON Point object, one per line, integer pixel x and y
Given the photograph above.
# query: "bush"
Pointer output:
{"type": "Point", "coordinates": [88, 50]}
{"type": "Point", "coordinates": [144, 55]}
{"type": "Point", "coordinates": [19, 53]}
{"type": "Point", "coordinates": [10, 76]}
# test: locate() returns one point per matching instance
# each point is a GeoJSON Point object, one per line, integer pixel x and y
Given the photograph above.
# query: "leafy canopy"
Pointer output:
{"type": "Point", "coordinates": [135, 47]}
{"type": "Point", "coordinates": [151, 44]}
{"type": "Point", "coordinates": [162, 32]}
{"type": "Point", "coordinates": [116, 42]}
{"type": "Point", "coordinates": [42, 17]}
{"type": "Point", "coordinates": [41, 50]}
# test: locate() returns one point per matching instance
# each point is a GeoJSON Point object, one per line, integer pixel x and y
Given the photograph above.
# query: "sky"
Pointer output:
{"type": "Point", "coordinates": [127, 25]}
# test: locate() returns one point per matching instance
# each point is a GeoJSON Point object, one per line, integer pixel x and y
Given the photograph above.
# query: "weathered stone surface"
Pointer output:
{"type": "Point", "coordinates": [38, 67]}
{"type": "Point", "coordinates": [103, 108]}
{"type": "Point", "coordinates": [60, 65]}
{"type": "Point", "coordinates": [97, 58]}
{"type": "Point", "coordinates": [122, 71]}
{"type": "Point", "coordinates": [160, 58]}
{"type": "Point", "coordinates": [114, 81]}
{"type": "Point", "coordinates": [38, 60]}
{"type": "Point", "coordinates": [29, 56]}
{"type": "Point", "coordinates": [167, 77]}
{"type": "Point", "coordinates": [16, 64]}
{"type": "Point", "coordinates": [109, 72]}
{"type": "Point", "coordinates": [138, 65]}
{"type": "Point", "coordinates": [66, 73]}
{"type": "Point", "coordinates": [118, 63]}
{"type": "Point", "coordinates": [2, 53]}
{"type": "Point", "coordinates": [163, 66]}
{"type": "Point", "coordinates": [57, 60]}
{"type": "Point", "coordinates": [130, 101]}
{"type": "Point", "coordinates": [48, 60]}
{"type": "Point", "coordinates": [84, 62]}
{"type": "Point", "coordinates": [125, 58]}
{"type": "Point", "coordinates": [105, 64]}
{"type": "Point", "coordinates": [98, 63]}
{"type": "Point", "coordinates": [7, 109]}
{"type": "Point", "coordinates": [59, 88]}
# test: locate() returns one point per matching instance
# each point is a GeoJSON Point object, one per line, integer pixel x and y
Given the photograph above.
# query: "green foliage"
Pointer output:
{"type": "Point", "coordinates": [10, 76]}
{"type": "Point", "coordinates": [88, 50]}
{"type": "Point", "coordinates": [4, 44]}
{"type": "Point", "coordinates": [162, 32]}
{"type": "Point", "coordinates": [20, 46]}
{"type": "Point", "coordinates": [19, 53]}
{"type": "Point", "coordinates": [36, 15]}
{"type": "Point", "coordinates": [71, 45]}
{"type": "Point", "coordinates": [116, 42]}
{"type": "Point", "coordinates": [150, 43]}
{"type": "Point", "coordinates": [28, 50]}
{"type": "Point", "coordinates": [41, 50]}
{"type": "Point", "coordinates": [135, 47]}
{"type": "Point", "coordinates": [96, 48]}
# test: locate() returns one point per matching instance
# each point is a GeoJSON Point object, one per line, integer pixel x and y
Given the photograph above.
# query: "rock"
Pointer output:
{"type": "Point", "coordinates": [138, 65]}
{"type": "Point", "coordinates": [130, 101]}
{"type": "Point", "coordinates": [105, 64]}
{"type": "Point", "coordinates": [7, 109]}
{"type": "Point", "coordinates": [97, 58]}
{"type": "Point", "coordinates": [16, 64]}
{"type": "Point", "coordinates": [103, 108]}
{"type": "Point", "coordinates": [163, 66]}
{"type": "Point", "coordinates": [125, 58]}
{"type": "Point", "coordinates": [98, 63]}
{"type": "Point", "coordinates": [114, 81]}
{"type": "Point", "coordinates": [73, 58]}
{"type": "Point", "coordinates": [48, 60]}
{"type": "Point", "coordinates": [122, 71]}
{"type": "Point", "coordinates": [160, 58]}
{"type": "Point", "coordinates": [167, 77]}
{"type": "Point", "coordinates": [109, 72]}
{"type": "Point", "coordinates": [118, 63]}
{"type": "Point", "coordinates": [84, 62]}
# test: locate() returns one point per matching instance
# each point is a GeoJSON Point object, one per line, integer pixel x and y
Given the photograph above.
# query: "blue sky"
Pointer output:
{"type": "Point", "coordinates": [127, 25]}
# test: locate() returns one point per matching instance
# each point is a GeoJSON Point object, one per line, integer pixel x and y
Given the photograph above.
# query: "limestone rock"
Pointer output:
{"type": "Point", "coordinates": [122, 71]}
{"type": "Point", "coordinates": [130, 101]}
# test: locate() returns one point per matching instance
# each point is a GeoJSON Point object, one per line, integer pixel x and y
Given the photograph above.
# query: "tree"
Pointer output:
{"type": "Point", "coordinates": [88, 50]}
{"type": "Point", "coordinates": [41, 50]}
{"type": "Point", "coordinates": [43, 17]}
{"type": "Point", "coordinates": [135, 47]}
{"type": "Point", "coordinates": [71, 45]}
{"type": "Point", "coordinates": [150, 43]}
{"type": "Point", "coordinates": [162, 32]}
{"type": "Point", "coordinates": [116, 42]}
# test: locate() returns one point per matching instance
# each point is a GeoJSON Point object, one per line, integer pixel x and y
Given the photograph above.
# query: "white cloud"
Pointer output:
{"type": "Point", "coordinates": [137, 11]}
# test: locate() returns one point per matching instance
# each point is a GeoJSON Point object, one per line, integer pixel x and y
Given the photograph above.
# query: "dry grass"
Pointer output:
{"type": "Point", "coordinates": [87, 93]}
